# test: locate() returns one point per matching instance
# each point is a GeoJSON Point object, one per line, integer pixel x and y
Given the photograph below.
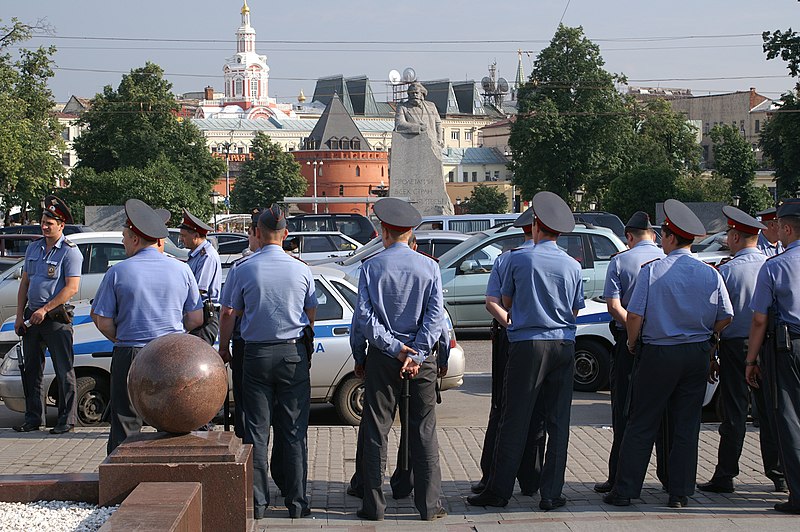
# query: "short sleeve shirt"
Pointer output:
{"type": "Point", "coordinates": [48, 270]}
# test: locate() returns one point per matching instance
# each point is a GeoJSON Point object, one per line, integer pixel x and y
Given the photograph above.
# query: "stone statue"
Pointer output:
{"type": "Point", "coordinates": [415, 162]}
{"type": "Point", "coordinates": [417, 116]}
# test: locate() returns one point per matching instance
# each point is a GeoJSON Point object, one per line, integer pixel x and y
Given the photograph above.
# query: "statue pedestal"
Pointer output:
{"type": "Point", "coordinates": [217, 460]}
{"type": "Point", "coordinates": [415, 172]}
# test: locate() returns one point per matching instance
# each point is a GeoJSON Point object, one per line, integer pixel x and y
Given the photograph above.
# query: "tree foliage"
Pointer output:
{"type": "Point", "coordinates": [135, 128]}
{"type": "Point", "coordinates": [735, 160]}
{"type": "Point", "coordinates": [640, 188]}
{"type": "Point", "coordinates": [664, 138]}
{"type": "Point", "coordinates": [571, 127]}
{"type": "Point", "coordinates": [30, 162]}
{"type": "Point", "coordinates": [486, 200]}
{"type": "Point", "coordinates": [268, 177]}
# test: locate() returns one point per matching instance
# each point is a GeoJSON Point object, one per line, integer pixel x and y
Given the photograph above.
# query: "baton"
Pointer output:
{"type": "Point", "coordinates": [226, 407]}
{"type": "Point", "coordinates": [21, 364]}
{"type": "Point", "coordinates": [405, 396]}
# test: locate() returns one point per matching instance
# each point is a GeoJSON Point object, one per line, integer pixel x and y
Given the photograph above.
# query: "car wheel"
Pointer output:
{"type": "Point", "coordinates": [349, 400]}
{"type": "Point", "coordinates": [592, 365]}
{"type": "Point", "coordinates": [92, 398]}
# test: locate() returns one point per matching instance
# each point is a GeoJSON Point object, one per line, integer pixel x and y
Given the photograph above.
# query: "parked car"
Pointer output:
{"type": "Point", "coordinates": [15, 245]}
{"type": "Point", "coordinates": [223, 237]}
{"type": "Point", "coordinates": [36, 229]}
{"type": "Point", "coordinates": [602, 219]}
{"type": "Point", "coordinates": [356, 226]}
{"type": "Point", "coordinates": [466, 267]}
{"type": "Point", "coordinates": [310, 246]}
{"type": "Point", "coordinates": [332, 377]}
{"type": "Point", "coordinates": [465, 223]}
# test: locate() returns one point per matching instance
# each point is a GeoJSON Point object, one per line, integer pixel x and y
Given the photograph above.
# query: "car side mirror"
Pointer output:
{"type": "Point", "coordinates": [17, 273]}
{"type": "Point", "coordinates": [468, 266]}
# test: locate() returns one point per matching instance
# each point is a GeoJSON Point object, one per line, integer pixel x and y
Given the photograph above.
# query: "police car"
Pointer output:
{"type": "Point", "coordinates": [332, 378]}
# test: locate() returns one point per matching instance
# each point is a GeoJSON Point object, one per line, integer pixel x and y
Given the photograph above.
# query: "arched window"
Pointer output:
{"type": "Point", "coordinates": [381, 171]}
{"type": "Point", "coordinates": [355, 144]}
{"type": "Point", "coordinates": [358, 171]}
{"type": "Point", "coordinates": [333, 143]}
{"type": "Point", "coordinates": [254, 88]}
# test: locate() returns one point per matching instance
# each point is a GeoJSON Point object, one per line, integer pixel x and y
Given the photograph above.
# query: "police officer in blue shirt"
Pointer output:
{"type": "Point", "coordinates": [682, 302]}
{"type": "Point", "coordinates": [400, 313]}
{"type": "Point", "coordinates": [620, 280]}
{"type": "Point", "coordinates": [776, 287]}
{"type": "Point", "coordinates": [274, 294]}
{"type": "Point", "coordinates": [544, 290]}
{"type": "Point", "coordinates": [51, 275]}
{"type": "Point", "coordinates": [146, 296]}
{"type": "Point", "coordinates": [768, 241]}
{"type": "Point", "coordinates": [207, 269]}
{"type": "Point", "coordinates": [530, 468]}
{"type": "Point", "coordinates": [739, 274]}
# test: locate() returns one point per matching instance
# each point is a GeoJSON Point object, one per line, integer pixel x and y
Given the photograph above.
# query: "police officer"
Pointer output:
{"type": "Point", "coordinates": [530, 468]}
{"type": "Point", "coordinates": [682, 302]}
{"type": "Point", "coordinates": [207, 269]}
{"type": "Point", "coordinates": [776, 287]}
{"type": "Point", "coordinates": [620, 280]}
{"type": "Point", "coordinates": [543, 288]}
{"type": "Point", "coordinates": [399, 311]}
{"type": "Point", "coordinates": [146, 296]}
{"type": "Point", "coordinates": [768, 241]}
{"type": "Point", "coordinates": [51, 275]}
{"type": "Point", "coordinates": [739, 275]}
{"type": "Point", "coordinates": [274, 294]}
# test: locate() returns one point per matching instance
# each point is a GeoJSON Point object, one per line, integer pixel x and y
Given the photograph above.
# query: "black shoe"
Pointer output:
{"type": "Point", "coordinates": [780, 486]}
{"type": "Point", "coordinates": [478, 487]}
{"type": "Point", "coordinates": [528, 493]}
{"type": "Point", "coordinates": [716, 487]}
{"type": "Point", "coordinates": [615, 500]}
{"type": "Point", "coordinates": [552, 504]}
{"type": "Point", "coordinates": [353, 493]}
{"type": "Point", "coordinates": [438, 514]}
{"type": "Point", "coordinates": [787, 508]}
{"type": "Point", "coordinates": [305, 512]}
{"type": "Point", "coordinates": [361, 514]}
{"type": "Point", "coordinates": [486, 498]}
{"type": "Point", "coordinates": [678, 501]}
{"type": "Point", "coordinates": [260, 512]}
{"type": "Point", "coordinates": [61, 429]}
{"type": "Point", "coordinates": [26, 427]}
{"type": "Point", "coordinates": [403, 495]}
{"type": "Point", "coordinates": [603, 487]}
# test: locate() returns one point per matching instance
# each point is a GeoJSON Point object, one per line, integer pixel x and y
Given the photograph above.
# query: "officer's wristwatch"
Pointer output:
{"type": "Point", "coordinates": [751, 362]}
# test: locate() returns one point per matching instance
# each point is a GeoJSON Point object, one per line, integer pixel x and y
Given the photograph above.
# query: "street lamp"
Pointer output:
{"type": "Point", "coordinates": [578, 195]}
{"type": "Point", "coordinates": [592, 205]}
{"type": "Point", "coordinates": [315, 163]}
{"type": "Point", "coordinates": [736, 200]}
{"type": "Point", "coordinates": [214, 197]}
{"type": "Point", "coordinates": [227, 146]}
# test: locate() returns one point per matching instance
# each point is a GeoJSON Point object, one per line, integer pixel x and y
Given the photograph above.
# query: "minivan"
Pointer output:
{"type": "Point", "coordinates": [465, 223]}
{"type": "Point", "coordinates": [356, 226]}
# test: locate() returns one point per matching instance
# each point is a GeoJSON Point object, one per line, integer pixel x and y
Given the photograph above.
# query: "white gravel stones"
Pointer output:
{"type": "Point", "coordinates": [52, 516]}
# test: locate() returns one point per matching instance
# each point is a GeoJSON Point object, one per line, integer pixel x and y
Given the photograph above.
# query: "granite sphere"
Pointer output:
{"type": "Point", "coordinates": [177, 383]}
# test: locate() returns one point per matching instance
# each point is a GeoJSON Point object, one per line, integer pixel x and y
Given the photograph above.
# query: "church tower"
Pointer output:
{"type": "Point", "coordinates": [246, 72]}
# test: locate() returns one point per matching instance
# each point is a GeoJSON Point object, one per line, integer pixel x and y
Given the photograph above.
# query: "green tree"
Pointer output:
{"type": "Point", "coordinates": [268, 177]}
{"type": "Point", "coordinates": [486, 200]}
{"type": "Point", "coordinates": [664, 138]}
{"type": "Point", "coordinates": [30, 161]}
{"type": "Point", "coordinates": [735, 160]}
{"type": "Point", "coordinates": [571, 129]}
{"type": "Point", "coordinates": [135, 128]}
{"type": "Point", "coordinates": [639, 189]}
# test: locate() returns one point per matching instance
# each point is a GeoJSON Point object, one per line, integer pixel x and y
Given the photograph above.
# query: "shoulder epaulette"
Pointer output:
{"type": "Point", "coordinates": [426, 255]}
{"type": "Point", "coordinates": [70, 243]}
{"type": "Point", "coordinates": [298, 258]}
{"type": "Point", "coordinates": [724, 261]}
{"type": "Point", "coordinates": [649, 261]}
{"type": "Point", "coordinates": [618, 252]}
{"type": "Point", "coordinates": [372, 256]}
{"type": "Point", "coordinates": [202, 252]}
{"type": "Point", "coordinates": [776, 255]}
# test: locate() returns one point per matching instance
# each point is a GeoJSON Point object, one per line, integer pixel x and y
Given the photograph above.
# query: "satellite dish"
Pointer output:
{"type": "Point", "coordinates": [502, 85]}
{"type": "Point", "coordinates": [486, 83]}
{"type": "Point", "coordinates": [409, 75]}
{"type": "Point", "coordinates": [395, 77]}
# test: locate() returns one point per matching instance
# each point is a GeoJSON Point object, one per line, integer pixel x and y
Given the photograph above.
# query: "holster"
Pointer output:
{"type": "Point", "coordinates": [308, 340]}
{"type": "Point", "coordinates": [783, 340]}
{"type": "Point", "coordinates": [208, 311]}
{"type": "Point", "coordinates": [612, 326]}
{"type": "Point", "coordinates": [62, 313]}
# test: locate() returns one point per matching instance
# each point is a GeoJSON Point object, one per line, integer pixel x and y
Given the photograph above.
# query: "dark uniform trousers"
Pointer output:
{"type": "Point", "coordinates": [381, 397]}
{"type": "Point", "coordinates": [124, 419]}
{"type": "Point", "coordinates": [237, 357]}
{"type": "Point", "coordinates": [208, 332]}
{"type": "Point", "coordinates": [538, 371]}
{"type": "Point", "coordinates": [276, 385]}
{"type": "Point", "coordinates": [57, 337]}
{"type": "Point", "coordinates": [530, 469]}
{"type": "Point", "coordinates": [787, 416]}
{"type": "Point", "coordinates": [733, 390]}
{"type": "Point", "coordinates": [622, 367]}
{"type": "Point", "coordinates": [671, 378]}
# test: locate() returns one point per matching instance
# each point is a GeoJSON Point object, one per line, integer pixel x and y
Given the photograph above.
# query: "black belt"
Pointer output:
{"type": "Point", "coordinates": [279, 342]}
{"type": "Point", "coordinates": [794, 336]}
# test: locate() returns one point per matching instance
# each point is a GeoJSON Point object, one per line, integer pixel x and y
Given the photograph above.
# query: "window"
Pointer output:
{"type": "Point", "coordinates": [355, 144]}
{"type": "Point", "coordinates": [482, 260]}
{"type": "Point", "coordinates": [104, 256]}
{"type": "Point", "coordinates": [358, 171]}
{"type": "Point", "coordinates": [602, 246]}
{"type": "Point", "coordinates": [487, 176]}
{"type": "Point", "coordinates": [237, 90]}
{"type": "Point", "coordinates": [425, 247]}
{"type": "Point", "coordinates": [573, 246]}
{"type": "Point", "coordinates": [468, 134]}
{"type": "Point", "coordinates": [65, 159]}
{"type": "Point", "coordinates": [758, 126]}
{"type": "Point", "coordinates": [440, 248]}
{"type": "Point", "coordinates": [65, 133]}
{"type": "Point", "coordinates": [327, 306]}
{"type": "Point", "coordinates": [468, 226]}
{"type": "Point", "coordinates": [466, 177]}
{"type": "Point", "coordinates": [348, 293]}
{"type": "Point", "coordinates": [254, 88]}
{"type": "Point", "coordinates": [474, 177]}
{"type": "Point", "coordinates": [496, 175]}
{"type": "Point", "coordinates": [451, 176]}
{"type": "Point", "coordinates": [382, 171]}
{"type": "Point", "coordinates": [706, 128]}
{"type": "Point", "coordinates": [340, 244]}
{"type": "Point", "coordinates": [316, 244]}
{"type": "Point", "coordinates": [454, 134]}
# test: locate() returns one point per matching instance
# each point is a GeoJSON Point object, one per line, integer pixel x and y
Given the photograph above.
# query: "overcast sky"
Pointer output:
{"type": "Point", "coordinates": [708, 46]}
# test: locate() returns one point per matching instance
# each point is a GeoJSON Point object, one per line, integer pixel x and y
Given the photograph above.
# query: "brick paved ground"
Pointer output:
{"type": "Point", "coordinates": [331, 456]}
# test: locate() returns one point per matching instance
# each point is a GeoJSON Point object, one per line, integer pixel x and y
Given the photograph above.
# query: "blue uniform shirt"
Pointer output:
{"type": "Point", "coordinates": [358, 344]}
{"type": "Point", "coordinates": [546, 287]}
{"type": "Point", "coordinates": [778, 282]}
{"type": "Point", "coordinates": [273, 289]}
{"type": "Point", "coordinates": [147, 296]}
{"type": "Point", "coordinates": [767, 248]}
{"type": "Point", "coordinates": [740, 275]}
{"type": "Point", "coordinates": [499, 268]}
{"type": "Point", "coordinates": [400, 301]}
{"type": "Point", "coordinates": [623, 269]}
{"type": "Point", "coordinates": [47, 271]}
{"type": "Point", "coordinates": [207, 269]}
{"type": "Point", "coordinates": [680, 298]}
{"type": "Point", "coordinates": [225, 295]}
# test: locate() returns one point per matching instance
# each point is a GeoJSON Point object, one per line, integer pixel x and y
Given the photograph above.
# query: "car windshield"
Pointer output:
{"type": "Point", "coordinates": [175, 251]}
{"type": "Point", "coordinates": [456, 252]}
{"type": "Point", "coordinates": [367, 250]}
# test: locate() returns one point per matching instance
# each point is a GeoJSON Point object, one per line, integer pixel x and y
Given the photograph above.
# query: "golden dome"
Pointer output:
{"type": "Point", "coordinates": [245, 9]}
{"type": "Point", "coordinates": [301, 97]}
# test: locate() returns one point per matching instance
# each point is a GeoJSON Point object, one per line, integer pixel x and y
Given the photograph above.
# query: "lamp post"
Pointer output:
{"type": "Point", "coordinates": [736, 200]}
{"type": "Point", "coordinates": [592, 205]}
{"type": "Point", "coordinates": [227, 146]}
{"type": "Point", "coordinates": [578, 195]}
{"type": "Point", "coordinates": [315, 163]}
{"type": "Point", "coordinates": [214, 197]}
